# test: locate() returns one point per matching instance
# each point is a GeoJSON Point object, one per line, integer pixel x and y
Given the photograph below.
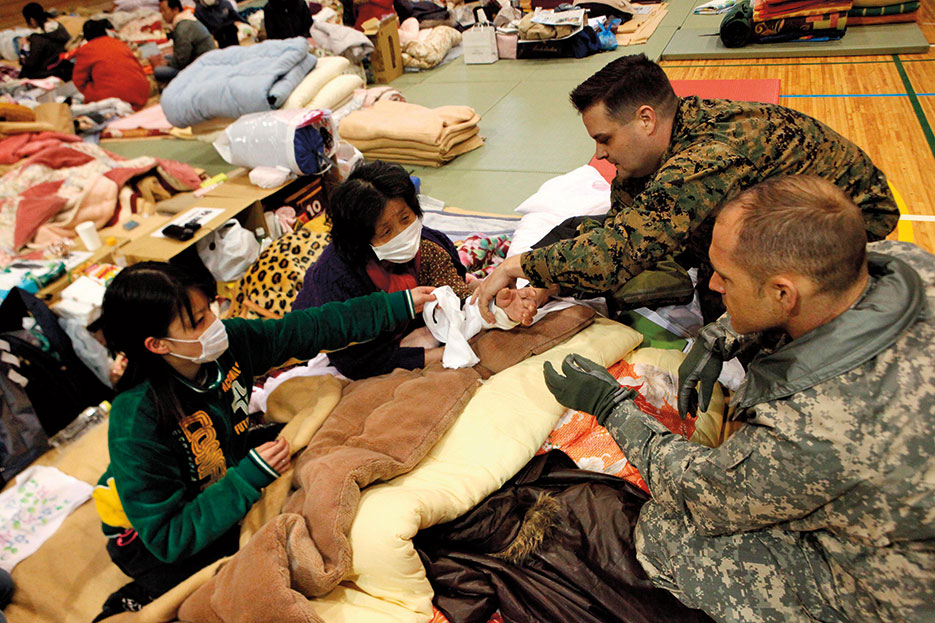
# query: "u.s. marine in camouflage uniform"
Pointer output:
{"type": "Point", "coordinates": [821, 507]}
{"type": "Point", "coordinates": [672, 177]}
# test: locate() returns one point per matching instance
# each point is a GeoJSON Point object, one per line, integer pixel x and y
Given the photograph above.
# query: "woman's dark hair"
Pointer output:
{"type": "Point", "coordinates": [94, 28]}
{"type": "Point", "coordinates": [34, 11]}
{"type": "Point", "coordinates": [141, 302]}
{"type": "Point", "coordinates": [356, 204]}
{"type": "Point", "coordinates": [174, 4]}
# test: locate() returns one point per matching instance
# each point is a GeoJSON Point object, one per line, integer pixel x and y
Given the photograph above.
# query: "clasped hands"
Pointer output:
{"type": "Point", "coordinates": [587, 386]}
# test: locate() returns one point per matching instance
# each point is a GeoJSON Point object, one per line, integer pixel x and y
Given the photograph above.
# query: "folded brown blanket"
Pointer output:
{"type": "Point", "coordinates": [409, 122]}
{"type": "Point", "coordinates": [394, 143]}
{"type": "Point", "coordinates": [422, 157]}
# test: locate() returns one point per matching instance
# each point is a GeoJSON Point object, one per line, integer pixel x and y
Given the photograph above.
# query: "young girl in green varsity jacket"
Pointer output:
{"type": "Point", "coordinates": [185, 466]}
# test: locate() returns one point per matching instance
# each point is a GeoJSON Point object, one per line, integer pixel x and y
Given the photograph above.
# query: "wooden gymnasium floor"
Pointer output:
{"type": "Point", "coordinates": [885, 104]}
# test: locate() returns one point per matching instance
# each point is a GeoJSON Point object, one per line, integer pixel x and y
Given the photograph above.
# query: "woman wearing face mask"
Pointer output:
{"type": "Point", "coordinates": [185, 463]}
{"type": "Point", "coordinates": [378, 243]}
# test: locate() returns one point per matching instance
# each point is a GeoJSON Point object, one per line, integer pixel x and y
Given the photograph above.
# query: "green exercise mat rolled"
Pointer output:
{"type": "Point", "coordinates": [737, 25]}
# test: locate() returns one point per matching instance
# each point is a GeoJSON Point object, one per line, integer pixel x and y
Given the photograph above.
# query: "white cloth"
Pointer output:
{"type": "Point", "coordinates": [582, 192]}
{"type": "Point", "coordinates": [454, 326]}
{"type": "Point", "coordinates": [33, 509]}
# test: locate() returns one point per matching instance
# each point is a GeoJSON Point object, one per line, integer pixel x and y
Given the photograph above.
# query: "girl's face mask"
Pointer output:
{"type": "Point", "coordinates": [213, 343]}
{"type": "Point", "coordinates": [403, 247]}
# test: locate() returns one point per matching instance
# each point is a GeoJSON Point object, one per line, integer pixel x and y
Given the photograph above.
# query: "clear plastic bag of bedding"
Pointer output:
{"type": "Point", "coordinates": [301, 140]}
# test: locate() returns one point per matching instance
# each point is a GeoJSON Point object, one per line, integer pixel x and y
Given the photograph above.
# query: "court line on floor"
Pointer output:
{"type": "Point", "coordinates": [916, 106]}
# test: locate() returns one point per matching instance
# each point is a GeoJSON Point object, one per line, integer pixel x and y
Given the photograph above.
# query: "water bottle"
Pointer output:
{"type": "Point", "coordinates": [85, 420]}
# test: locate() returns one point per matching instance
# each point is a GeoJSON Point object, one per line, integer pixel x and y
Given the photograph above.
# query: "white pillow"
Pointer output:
{"type": "Point", "coordinates": [326, 68]}
{"type": "Point", "coordinates": [580, 192]}
{"type": "Point", "coordinates": [337, 91]}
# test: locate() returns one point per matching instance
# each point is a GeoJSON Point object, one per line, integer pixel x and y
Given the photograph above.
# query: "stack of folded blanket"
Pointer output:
{"type": "Point", "coordinates": [412, 134]}
{"type": "Point", "coordinates": [868, 12]}
{"type": "Point", "coordinates": [799, 20]}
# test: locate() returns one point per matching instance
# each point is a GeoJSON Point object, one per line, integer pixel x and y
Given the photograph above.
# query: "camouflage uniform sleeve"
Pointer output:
{"type": "Point", "coordinates": [758, 477]}
{"type": "Point", "coordinates": [679, 197]}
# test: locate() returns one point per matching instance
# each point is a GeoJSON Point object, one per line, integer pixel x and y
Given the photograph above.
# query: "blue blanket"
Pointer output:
{"type": "Point", "coordinates": [235, 81]}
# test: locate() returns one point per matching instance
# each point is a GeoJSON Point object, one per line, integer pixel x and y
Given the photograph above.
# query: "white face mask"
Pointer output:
{"type": "Point", "coordinates": [403, 247]}
{"type": "Point", "coordinates": [213, 343]}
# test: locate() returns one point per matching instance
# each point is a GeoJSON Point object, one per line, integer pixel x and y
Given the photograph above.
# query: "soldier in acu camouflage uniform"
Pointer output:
{"type": "Point", "coordinates": [821, 507]}
{"type": "Point", "coordinates": [678, 160]}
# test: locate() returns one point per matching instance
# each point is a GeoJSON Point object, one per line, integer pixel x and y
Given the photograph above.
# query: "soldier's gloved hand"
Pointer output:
{"type": "Point", "coordinates": [586, 386]}
{"type": "Point", "coordinates": [701, 365]}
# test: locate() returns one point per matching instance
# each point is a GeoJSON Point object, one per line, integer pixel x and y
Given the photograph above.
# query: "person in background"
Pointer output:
{"type": "Point", "coordinates": [40, 57]}
{"type": "Point", "coordinates": [186, 464]}
{"type": "Point", "coordinates": [190, 39]}
{"type": "Point", "coordinates": [106, 67]}
{"type": "Point", "coordinates": [378, 243]}
{"type": "Point", "coordinates": [821, 506]}
{"type": "Point", "coordinates": [284, 19]}
{"type": "Point", "coordinates": [220, 17]}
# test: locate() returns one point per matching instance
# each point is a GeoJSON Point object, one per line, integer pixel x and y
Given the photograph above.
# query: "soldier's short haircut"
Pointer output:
{"type": "Point", "coordinates": [802, 224]}
{"type": "Point", "coordinates": [625, 84]}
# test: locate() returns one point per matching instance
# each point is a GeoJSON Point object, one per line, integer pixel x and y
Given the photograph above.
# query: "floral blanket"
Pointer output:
{"type": "Point", "coordinates": [60, 182]}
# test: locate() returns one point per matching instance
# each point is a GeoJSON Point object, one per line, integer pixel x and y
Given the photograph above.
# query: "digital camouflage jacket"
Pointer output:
{"type": "Point", "coordinates": [822, 505]}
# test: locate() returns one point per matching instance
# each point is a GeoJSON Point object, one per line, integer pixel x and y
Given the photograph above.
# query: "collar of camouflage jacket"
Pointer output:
{"type": "Point", "coordinates": [893, 300]}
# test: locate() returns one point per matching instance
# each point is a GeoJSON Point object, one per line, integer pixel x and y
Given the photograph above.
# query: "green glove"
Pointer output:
{"type": "Point", "coordinates": [586, 386]}
{"type": "Point", "coordinates": [701, 365]}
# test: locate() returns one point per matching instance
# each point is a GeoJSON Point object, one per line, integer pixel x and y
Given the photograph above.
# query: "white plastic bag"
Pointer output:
{"type": "Point", "coordinates": [228, 251]}
{"type": "Point", "coordinates": [268, 138]}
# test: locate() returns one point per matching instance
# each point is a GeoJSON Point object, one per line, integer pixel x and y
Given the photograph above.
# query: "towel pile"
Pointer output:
{"type": "Point", "coordinates": [412, 134]}
{"type": "Point", "coordinates": [799, 20]}
{"type": "Point", "coordinates": [868, 12]}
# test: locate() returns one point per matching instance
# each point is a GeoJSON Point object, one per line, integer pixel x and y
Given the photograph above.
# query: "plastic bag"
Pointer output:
{"type": "Point", "coordinates": [301, 140]}
{"type": "Point", "coordinates": [228, 251]}
{"type": "Point", "coordinates": [606, 36]}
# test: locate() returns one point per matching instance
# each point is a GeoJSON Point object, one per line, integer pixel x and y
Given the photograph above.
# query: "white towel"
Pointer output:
{"type": "Point", "coordinates": [454, 326]}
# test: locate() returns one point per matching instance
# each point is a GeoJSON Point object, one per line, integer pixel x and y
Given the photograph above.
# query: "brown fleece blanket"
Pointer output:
{"type": "Point", "coordinates": [381, 428]}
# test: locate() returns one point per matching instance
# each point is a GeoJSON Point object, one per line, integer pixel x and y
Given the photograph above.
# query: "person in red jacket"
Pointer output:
{"type": "Point", "coordinates": [105, 67]}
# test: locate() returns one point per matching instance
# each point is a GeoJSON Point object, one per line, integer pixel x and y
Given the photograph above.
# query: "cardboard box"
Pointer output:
{"type": "Point", "coordinates": [386, 59]}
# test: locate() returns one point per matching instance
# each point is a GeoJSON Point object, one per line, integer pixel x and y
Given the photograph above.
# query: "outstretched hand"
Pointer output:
{"type": "Point", "coordinates": [587, 386]}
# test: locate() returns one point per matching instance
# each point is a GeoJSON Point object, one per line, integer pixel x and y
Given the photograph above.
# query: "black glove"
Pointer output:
{"type": "Point", "coordinates": [702, 365]}
{"type": "Point", "coordinates": [586, 386]}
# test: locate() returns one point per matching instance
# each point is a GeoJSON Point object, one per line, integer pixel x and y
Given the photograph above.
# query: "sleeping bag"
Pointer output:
{"type": "Point", "coordinates": [236, 81]}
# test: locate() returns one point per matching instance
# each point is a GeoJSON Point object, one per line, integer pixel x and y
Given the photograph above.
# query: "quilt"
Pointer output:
{"type": "Point", "coordinates": [60, 181]}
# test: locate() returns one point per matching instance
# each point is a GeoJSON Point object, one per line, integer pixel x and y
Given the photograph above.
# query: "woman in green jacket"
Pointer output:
{"type": "Point", "coordinates": [185, 463]}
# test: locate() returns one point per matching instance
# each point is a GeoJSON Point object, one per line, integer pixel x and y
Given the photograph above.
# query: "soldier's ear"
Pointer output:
{"type": "Point", "coordinates": [785, 293]}
{"type": "Point", "coordinates": [647, 118]}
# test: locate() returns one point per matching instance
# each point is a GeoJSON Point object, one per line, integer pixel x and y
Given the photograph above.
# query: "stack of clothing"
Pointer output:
{"type": "Point", "coordinates": [799, 20]}
{"type": "Point", "coordinates": [868, 12]}
{"type": "Point", "coordinates": [412, 134]}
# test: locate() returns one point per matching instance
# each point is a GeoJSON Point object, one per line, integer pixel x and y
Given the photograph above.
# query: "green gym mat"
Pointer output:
{"type": "Point", "coordinates": [698, 39]}
{"type": "Point", "coordinates": [198, 154]}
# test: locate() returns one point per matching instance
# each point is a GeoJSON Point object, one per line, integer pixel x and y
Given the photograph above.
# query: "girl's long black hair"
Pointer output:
{"type": "Point", "coordinates": [141, 302]}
